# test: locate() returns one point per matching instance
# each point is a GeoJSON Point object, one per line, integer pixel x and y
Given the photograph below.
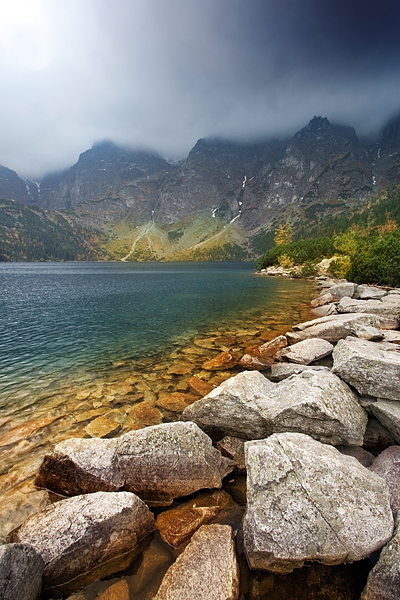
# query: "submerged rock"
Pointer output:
{"type": "Point", "coordinates": [370, 367]}
{"type": "Point", "coordinates": [86, 538]}
{"type": "Point", "coordinates": [177, 525]}
{"type": "Point", "coordinates": [308, 502]}
{"type": "Point", "coordinates": [207, 569]}
{"type": "Point", "coordinates": [21, 570]}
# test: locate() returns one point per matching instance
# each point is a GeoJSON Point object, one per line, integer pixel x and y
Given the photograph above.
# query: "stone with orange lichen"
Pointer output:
{"type": "Point", "coordinates": [142, 415]}
{"type": "Point", "coordinates": [225, 360]}
{"type": "Point", "coordinates": [176, 402]}
{"type": "Point", "coordinates": [199, 386]}
{"type": "Point", "coordinates": [177, 525]}
{"type": "Point", "coordinates": [180, 368]}
{"type": "Point", "coordinates": [122, 388]}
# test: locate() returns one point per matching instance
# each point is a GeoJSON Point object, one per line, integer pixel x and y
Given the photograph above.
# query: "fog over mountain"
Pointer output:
{"type": "Point", "coordinates": [159, 75]}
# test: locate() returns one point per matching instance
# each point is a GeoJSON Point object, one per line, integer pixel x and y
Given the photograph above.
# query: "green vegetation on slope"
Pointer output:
{"type": "Point", "coordinates": [31, 234]}
{"type": "Point", "coordinates": [366, 244]}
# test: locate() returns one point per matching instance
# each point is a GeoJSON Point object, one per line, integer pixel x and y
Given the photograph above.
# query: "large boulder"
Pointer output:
{"type": "Point", "coordinates": [21, 570]}
{"type": "Point", "coordinates": [371, 367]}
{"type": "Point", "coordinates": [85, 538]}
{"type": "Point", "coordinates": [318, 404]}
{"type": "Point", "coordinates": [81, 466]}
{"type": "Point", "coordinates": [314, 402]}
{"type": "Point", "coordinates": [233, 408]}
{"type": "Point", "coordinates": [308, 502]}
{"type": "Point", "coordinates": [307, 351]}
{"type": "Point", "coordinates": [343, 290]}
{"type": "Point", "coordinates": [384, 580]}
{"type": "Point", "coordinates": [167, 461]}
{"type": "Point", "coordinates": [207, 569]}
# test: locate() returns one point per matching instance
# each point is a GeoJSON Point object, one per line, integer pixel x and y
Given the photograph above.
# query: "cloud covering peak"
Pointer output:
{"type": "Point", "coordinates": [160, 75]}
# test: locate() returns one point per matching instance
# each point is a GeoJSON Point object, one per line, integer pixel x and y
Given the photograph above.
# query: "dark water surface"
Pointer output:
{"type": "Point", "coordinates": [62, 320]}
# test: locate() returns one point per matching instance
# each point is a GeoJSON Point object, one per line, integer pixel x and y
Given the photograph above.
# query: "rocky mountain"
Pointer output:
{"type": "Point", "coordinates": [223, 199]}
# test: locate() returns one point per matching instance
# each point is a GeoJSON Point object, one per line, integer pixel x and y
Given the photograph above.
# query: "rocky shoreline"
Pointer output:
{"type": "Point", "coordinates": [312, 418]}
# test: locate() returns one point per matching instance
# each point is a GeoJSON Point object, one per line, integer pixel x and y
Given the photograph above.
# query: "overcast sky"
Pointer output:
{"type": "Point", "coordinates": [159, 74]}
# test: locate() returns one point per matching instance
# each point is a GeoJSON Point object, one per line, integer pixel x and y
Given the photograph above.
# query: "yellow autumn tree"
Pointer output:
{"type": "Point", "coordinates": [283, 234]}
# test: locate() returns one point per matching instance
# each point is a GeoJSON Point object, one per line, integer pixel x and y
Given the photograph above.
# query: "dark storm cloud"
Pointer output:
{"type": "Point", "coordinates": [160, 74]}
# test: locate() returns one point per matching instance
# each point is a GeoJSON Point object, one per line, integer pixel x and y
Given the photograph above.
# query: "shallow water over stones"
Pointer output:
{"type": "Point", "coordinates": [128, 395]}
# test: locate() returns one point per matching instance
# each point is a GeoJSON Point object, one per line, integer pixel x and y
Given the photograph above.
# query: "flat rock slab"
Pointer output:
{"type": "Point", "coordinates": [281, 371]}
{"type": "Point", "coordinates": [369, 366]}
{"type": "Point", "coordinates": [384, 580]}
{"type": "Point", "coordinates": [207, 569]}
{"type": "Point", "coordinates": [232, 408]}
{"type": "Point", "coordinates": [85, 538]}
{"type": "Point", "coordinates": [375, 307]}
{"type": "Point", "coordinates": [336, 327]}
{"type": "Point", "coordinates": [307, 351]}
{"type": "Point", "coordinates": [21, 570]}
{"type": "Point", "coordinates": [309, 502]}
{"type": "Point", "coordinates": [171, 460]}
{"type": "Point", "coordinates": [368, 292]}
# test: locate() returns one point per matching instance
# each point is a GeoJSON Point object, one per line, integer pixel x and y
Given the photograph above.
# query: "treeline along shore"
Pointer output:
{"type": "Point", "coordinates": [311, 423]}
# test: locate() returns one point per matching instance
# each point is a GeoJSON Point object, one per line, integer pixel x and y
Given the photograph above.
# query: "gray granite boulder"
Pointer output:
{"type": "Point", "coordinates": [85, 538]}
{"type": "Point", "coordinates": [314, 402]}
{"type": "Point", "coordinates": [308, 502]}
{"type": "Point", "coordinates": [370, 367]}
{"type": "Point", "coordinates": [343, 290]}
{"type": "Point", "coordinates": [233, 408]}
{"type": "Point", "coordinates": [81, 466]}
{"type": "Point", "coordinates": [307, 351]}
{"type": "Point", "coordinates": [387, 466]}
{"type": "Point", "coordinates": [281, 371]}
{"type": "Point", "coordinates": [368, 292]}
{"type": "Point", "coordinates": [336, 327]}
{"type": "Point", "coordinates": [21, 570]}
{"type": "Point", "coordinates": [366, 332]}
{"type": "Point", "coordinates": [318, 404]}
{"type": "Point", "coordinates": [322, 299]}
{"type": "Point", "coordinates": [387, 412]}
{"type": "Point", "coordinates": [163, 462]}
{"type": "Point", "coordinates": [388, 310]}
{"type": "Point", "coordinates": [384, 580]}
{"type": "Point", "coordinates": [206, 570]}
{"type": "Point", "coordinates": [323, 311]}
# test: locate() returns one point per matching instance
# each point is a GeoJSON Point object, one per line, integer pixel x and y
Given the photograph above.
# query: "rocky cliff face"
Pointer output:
{"type": "Point", "coordinates": [223, 192]}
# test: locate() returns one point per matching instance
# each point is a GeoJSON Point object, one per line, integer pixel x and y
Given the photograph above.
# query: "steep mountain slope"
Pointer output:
{"type": "Point", "coordinates": [223, 200]}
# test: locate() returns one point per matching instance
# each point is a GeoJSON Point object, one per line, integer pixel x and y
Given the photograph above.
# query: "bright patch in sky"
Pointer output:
{"type": "Point", "coordinates": [26, 35]}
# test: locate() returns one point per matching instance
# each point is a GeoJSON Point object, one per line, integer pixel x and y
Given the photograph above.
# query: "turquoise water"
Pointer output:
{"type": "Point", "coordinates": [57, 319]}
